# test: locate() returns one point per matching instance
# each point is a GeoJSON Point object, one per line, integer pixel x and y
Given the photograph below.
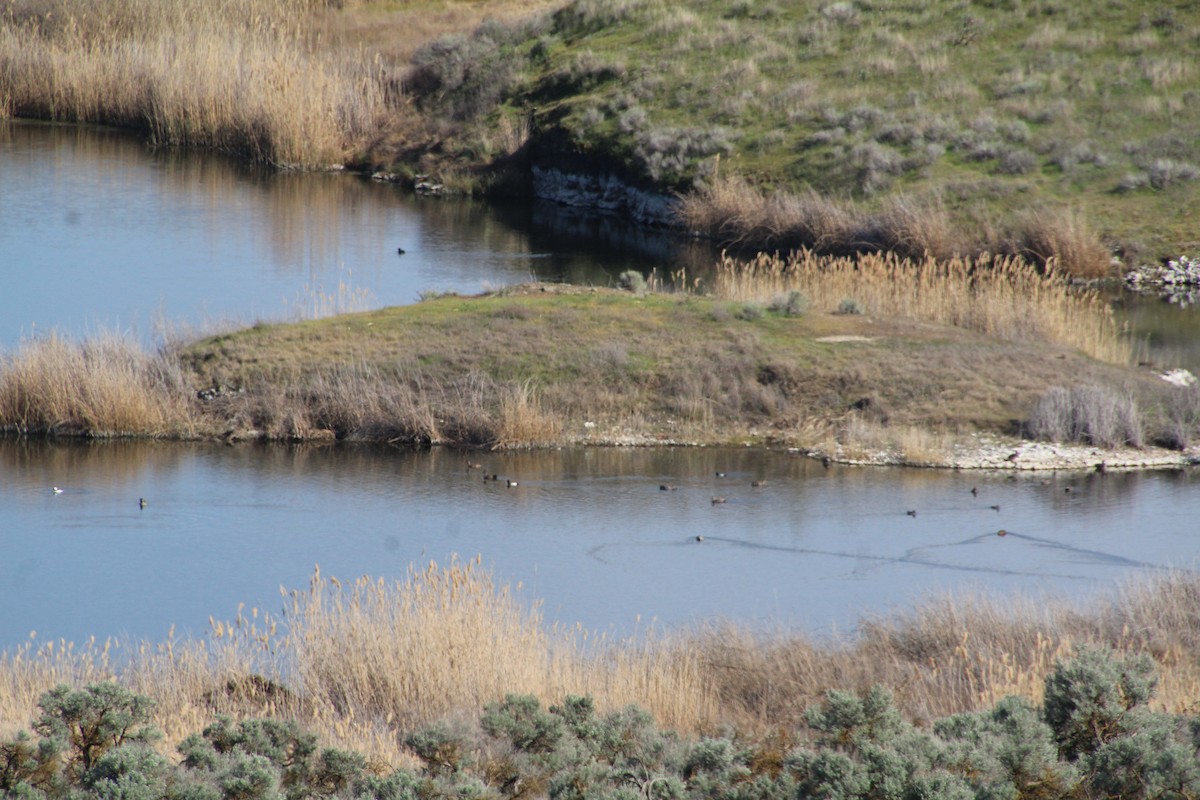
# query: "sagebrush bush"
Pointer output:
{"type": "Point", "coordinates": [632, 281]}
{"type": "Point", "coordinates": [1089, 698]}
{"type": "Point", "coordinates": [792, 303]}
{"type": "Point", "coordinates": [1095, 736]}
{"type": "Point", "coordinates": [848, 305]}
{"type": "Point", "coordinates": [1091, 414]}
{"type": "Point", "coordinates": [464, 77]}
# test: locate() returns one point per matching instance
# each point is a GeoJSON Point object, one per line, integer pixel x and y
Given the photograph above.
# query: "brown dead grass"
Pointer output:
{"type": "Point", "coordinates": [739, 215]}
{"type": "Point", "coordinates": [106, 386]}
{"type": "Point", "coordinates": [287, 82]}
{"type": "Point", "coordinates": [1003, 297]}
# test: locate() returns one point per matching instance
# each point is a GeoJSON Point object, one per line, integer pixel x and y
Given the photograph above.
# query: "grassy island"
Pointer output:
{"type": "Point", "coordinates": [843, 357]}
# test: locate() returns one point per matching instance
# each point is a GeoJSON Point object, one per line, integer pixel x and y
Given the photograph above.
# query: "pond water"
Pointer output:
{"type": "Point", "coordinates": [99, 232]}
{"type": "Point", "coordinates": [588, 531]}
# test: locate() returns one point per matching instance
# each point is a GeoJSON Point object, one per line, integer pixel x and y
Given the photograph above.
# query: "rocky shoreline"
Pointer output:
{"type": "Point", "coordinates": [1177, 281]}
{"type": "Point", "coordinates": [980, 451]}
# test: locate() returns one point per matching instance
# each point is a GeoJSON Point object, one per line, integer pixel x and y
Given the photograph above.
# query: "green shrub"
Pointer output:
{"type": "Point", "coordinates": [440, 747]}
{"type": "Point", "coordinates": [266, 758]}
{"type": "Point", "coordinates": [250, 777]}
{"type": "Point", "coordinates": [793, 303]}
{"type": "Point", "coordinates": [849, 719]}
{"type": "Point", "coordinates": [129, 772]}
{"type": "Point", "coordinates": [632, 281]}
{"type": "Point", "coordinates": [466, 77]}
{"type": "Point", "coordinates": [1095, 737]}
{"type": "Point", "coordinates": [867, 750]}
{"type": "Point", "coordinates": [28, 766]}
{"type": "Point", "coordinates": [673, 155]}
{"type": "Point", "coordinates": [521, 721]}
{"type": "Point", "coordinates": [1089, 697]}
{"type": "Point", "coordinates": [1152, 759]}
{"type": "Point", "coordinates": [749, 312]}
{"type": "Point", "coordinates": [1008, 751]}
{"type": "Point", "coordinates": [93, 720]}
{"type": "Point", "coordinates": [849, 305]}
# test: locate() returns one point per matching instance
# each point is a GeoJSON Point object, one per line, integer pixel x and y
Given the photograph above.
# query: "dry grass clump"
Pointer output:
{"type": "Point", "coordinates": [361, 401]}
{"type": "Point", "coordinates": [1002, 297]}
{"type": "Point", "coordinates": [364, 663]}
{"type": "Point", "coordinates": [861, 438]}
{"type": "Point", "coordinates": [444, 640]}
{"type": "Point", "coordinates": [733, 211]}
{"type": "Point", "coordinates": [185, 678]}
{"type": "Point", "coordinates": [524, 422]}
{"type": "Point", "coordinates": [246, 80]}
{"type": "Point", "coordinates": [105, 386]}
{"type": "Point", "coordinates": [1059, 239]}
{"type": "Point", "coordinates": [738, 214]}
{"type": "Point", "coordinates": [449, 640]}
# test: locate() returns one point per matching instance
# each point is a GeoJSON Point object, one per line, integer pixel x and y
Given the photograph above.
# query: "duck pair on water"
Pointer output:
{"type": "Point", "coordinates": [141, 500]}
{"type": "Point", "coordinates": [494, 477]}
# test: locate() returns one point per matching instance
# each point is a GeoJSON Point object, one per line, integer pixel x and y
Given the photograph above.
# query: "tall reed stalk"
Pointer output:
{"type": "Point", "coordinates": [1002, 297]}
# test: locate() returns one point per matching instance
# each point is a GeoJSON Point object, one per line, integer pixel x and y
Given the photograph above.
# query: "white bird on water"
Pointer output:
{"type": "Point", "coordinates": [57, 490]}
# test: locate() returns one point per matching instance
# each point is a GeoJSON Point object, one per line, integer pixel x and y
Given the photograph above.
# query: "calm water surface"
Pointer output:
{"type": "Point", "coordinates": [587, 531]}
{"type": "Point", "coordinates": [97, 231]}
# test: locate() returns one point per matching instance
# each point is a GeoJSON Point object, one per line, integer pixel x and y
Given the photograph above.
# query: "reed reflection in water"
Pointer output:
{"type": "Point", "coordinates": [589, 531]}
{"type": "Point", "coordinates": [98, 230]}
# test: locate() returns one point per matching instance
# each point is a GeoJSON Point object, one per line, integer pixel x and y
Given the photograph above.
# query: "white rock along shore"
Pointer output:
{"type": "Point", "coordinates": [981, 451]}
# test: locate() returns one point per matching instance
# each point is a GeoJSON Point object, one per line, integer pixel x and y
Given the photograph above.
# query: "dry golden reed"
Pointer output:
{"type": "Point", "coordinates": [245, 78]}
{"type": "Point", "coordinates": [523, 420]}
{"type": "Point", "coordinates": [1002, 297]}
{"type": "Point", "coordinates": [364, 662]}
{"type": "Point", "coordinates": [450, 639]}
{"type": "Point", "coordinates": [106, 386]}
{"type": "Point", "coordinates": [734, 212]}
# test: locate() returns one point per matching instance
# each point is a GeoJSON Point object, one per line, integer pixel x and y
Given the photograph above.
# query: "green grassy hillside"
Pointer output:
{"type": "Point", "coordinates": [989, 110]}
{"type": "Point", "coordinates": [1033, 127]}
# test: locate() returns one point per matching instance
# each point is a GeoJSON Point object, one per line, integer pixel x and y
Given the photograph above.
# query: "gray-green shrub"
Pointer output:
{"type": "Point", "coordinates": [1093, 414]}
{"type": "Point", "coordinates": [94, 720]}
{"type": "Point", "coordinates": [1089, 698]}
{"type": "Point", "coordinates": [793, 303]}
{"type": "Point", "coordinates": [632, 281]}
{"type": "Point", "coordinates": [1007, 751]}
{"type": "Point", "coordinates": [849, 305]}
{"type": "Point", "coordinates": [1096, 736]}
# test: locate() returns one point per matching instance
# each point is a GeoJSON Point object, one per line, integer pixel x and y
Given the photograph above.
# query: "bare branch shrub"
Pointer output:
{"type": "Point", "coordinates": [1091, 414]}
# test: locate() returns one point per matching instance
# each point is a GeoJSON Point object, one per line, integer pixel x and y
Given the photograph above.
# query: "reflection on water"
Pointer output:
{"type": "Point", "coordinates": [588, 531]}
{"type": "Point", "coordinates": [1168, 334]}
{"type": "Point", "coordinates": [97, 230]}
